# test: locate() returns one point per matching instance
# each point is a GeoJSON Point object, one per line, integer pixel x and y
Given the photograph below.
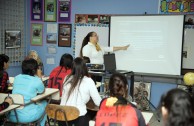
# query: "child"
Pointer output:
{"type": "Point", "coordinates": [4, 77]}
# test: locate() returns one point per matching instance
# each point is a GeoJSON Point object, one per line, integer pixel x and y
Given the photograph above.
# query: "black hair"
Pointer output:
{"type": "Point", "coordinates": [3, 59]}
{"type": "Point", "coordinates": [86, 59]}
{"type": "Point", "coordinates": [85, 42]}
{"type": "Point", "coordinates": [116, 89]}
{"type": "Point", "coordinates": [29, 67]}
{"type": "Point", "coordinates": [121, 101]}
{"type": "Point", "coordinates": [79, 70]}
{"type": "Point", "coordinates": [66, 61]}
{"type": "Point", "coordinates": [180, 108]}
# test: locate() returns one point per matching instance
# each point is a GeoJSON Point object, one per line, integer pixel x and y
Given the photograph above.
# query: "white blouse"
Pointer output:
{"type": "Point", "coordinates": [81, 95]}
{"type": "Point", "coordinates": [96, 57]}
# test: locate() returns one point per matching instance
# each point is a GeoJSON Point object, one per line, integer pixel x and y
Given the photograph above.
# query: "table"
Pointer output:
{"type": "Point", "coordinates": [11, 107]}
{"type": "Point", "coordinates": [18, 102]}
{"type": "Point", "coordinates": [11, 80]}
{"type": "Point", "coordinates": [49, 92]}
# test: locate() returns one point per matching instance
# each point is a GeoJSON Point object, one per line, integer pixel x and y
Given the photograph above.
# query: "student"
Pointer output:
{"type": "Point", "coordinates": [34, 55]}
{"type": "Point", "coordinates": [8, 101]}
{"type": "Point", "coordinates": [29, 85]}
{"type": "Point", "coordinates": [91, 49]}
{"type": "Point", "coordinates": [177, 107]}
{"type": "Point", "coordinates": [4, 77]}
{"type": "Point", "coordinates": [58, 74]}
{"type": "Point", "coordinates": [86, 59]}
{"type": "Point", "coordinates": [78, 88]}
{"type": "Point", "coordinates": [116, 109]}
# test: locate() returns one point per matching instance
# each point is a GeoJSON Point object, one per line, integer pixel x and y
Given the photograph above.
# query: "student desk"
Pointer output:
{"type": "Point", "coordinates": [18, 101]}
{"type": "Point", "coordinates": [11, 107]}
{"type": "Point", "coordinates": [52, 93]}
{"type": "Point", "coordinates": [11, 80]}
{"type": "Point", "coordinates": [49, 93]}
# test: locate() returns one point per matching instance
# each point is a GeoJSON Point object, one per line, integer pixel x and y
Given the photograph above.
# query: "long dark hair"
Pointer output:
{"type": "Point", "coordinates": [85, 41]}
{"type": "Point", "coordinates": [180, 107]}
{"type": "Point", "coordinates": [79, 70]}
{"type": "Point", "coordinates": [116, 89]}
{"type": "Point", "coordinates": [66, 61]}
{"type": "Point", "coordinates": [3, 59]}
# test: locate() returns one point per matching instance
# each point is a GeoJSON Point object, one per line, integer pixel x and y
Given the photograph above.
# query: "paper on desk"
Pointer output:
{"type": "Point", "coordinates": [147, 116]}
{"type": "Point", "coordinates": [11, 80]}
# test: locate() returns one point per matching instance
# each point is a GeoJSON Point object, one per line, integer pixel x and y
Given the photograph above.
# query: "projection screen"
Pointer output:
{"type": "Point", "coordinates": [155, 43]}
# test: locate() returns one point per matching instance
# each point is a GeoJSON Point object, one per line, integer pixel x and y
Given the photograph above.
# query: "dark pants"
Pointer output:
{"type": "Point", "coordinates": [81, 121]}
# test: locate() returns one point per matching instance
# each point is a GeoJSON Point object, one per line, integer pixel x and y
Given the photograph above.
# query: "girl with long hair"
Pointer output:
{"type": "Point", "coordinates": [177, 107]}
{"type": "Point", "coordinates": [78, 88]}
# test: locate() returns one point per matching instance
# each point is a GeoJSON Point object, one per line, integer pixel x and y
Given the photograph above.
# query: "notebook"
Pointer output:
{"type": "Point", "coordinates": [110, 64]}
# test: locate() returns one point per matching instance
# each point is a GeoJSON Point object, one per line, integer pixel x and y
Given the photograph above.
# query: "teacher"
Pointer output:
{"type": "Point", "coordinates": [91, 49]}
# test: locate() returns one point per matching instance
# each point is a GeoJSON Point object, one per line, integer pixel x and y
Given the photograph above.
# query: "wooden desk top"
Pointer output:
{"type": "Point", "coordinates": [44, 78]}
{"type": "Point", "coordinates": [11, 107]}
{"type": "Point", "coordinates": [48, 92]}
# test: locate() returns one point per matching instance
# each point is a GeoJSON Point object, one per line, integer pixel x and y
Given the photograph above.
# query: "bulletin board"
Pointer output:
{"type": "Point", "coordinates": [81, 30]}
{"type": "Point", "coordinates": [13, 30]}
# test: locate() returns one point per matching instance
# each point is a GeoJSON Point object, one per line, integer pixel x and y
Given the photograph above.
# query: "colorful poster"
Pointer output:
{"type": "Point", "coordinates": [50, 10]}
{"type": "Point", "coordinates": [36, 10]}
{"type": "Point", "coordinates": [64, 35]}
{"type": "Point", "coordinates": [64, 10]}
{"type": "Point", "coordinates": [176, 6]}
{"type": "Point", "coordinates": [36, 34]}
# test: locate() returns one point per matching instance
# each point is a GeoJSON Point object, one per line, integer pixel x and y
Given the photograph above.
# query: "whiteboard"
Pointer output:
{"type": "Point", "coordinates": [156, 43]}
{"type": "Point", "coordinates": [188, 48]}
{"type": "Point", "coordinates": [82, 30]}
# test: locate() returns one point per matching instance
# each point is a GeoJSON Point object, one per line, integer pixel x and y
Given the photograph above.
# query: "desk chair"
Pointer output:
{"type": "Point", "coordinates": [17, 100]}
{"type": "Point", "coordinates": [62, 113]}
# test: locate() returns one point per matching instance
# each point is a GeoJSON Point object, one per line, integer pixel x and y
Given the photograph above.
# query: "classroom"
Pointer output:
{"type": "Point", "coordinates": [56, 27]}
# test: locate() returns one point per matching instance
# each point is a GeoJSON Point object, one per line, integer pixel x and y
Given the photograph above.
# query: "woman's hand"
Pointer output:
{"type": "Point", "coordinates": [125, 47]}
{"type": "Point", "coordinates": [121, 47]}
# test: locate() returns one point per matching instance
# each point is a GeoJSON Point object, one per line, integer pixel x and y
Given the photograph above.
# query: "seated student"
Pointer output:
{"type": "Point", "coordinates": [116, 110]}
{"type": "Point", "coordinates": [29, 85]}
{"type": "Point", "coordinates": [78, 88]}
{"type": "Point", "coordinates": [34, 55]}
{"type": "Point", "coordinates": [58, 74]}
{"type": "Point", "coordinates": [177, 108]}
{"type": "Point", "coordinates": [86, 59]}
{"type": "Point", "coordinates": [8, 101]}
{"type": "Point", "coordinates": [4, 77]}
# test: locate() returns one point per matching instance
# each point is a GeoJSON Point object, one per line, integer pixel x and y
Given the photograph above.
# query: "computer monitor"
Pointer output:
{"type": "Point", "coordinates": [109, 62]}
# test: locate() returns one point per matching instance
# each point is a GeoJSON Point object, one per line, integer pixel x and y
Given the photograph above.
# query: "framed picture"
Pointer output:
{"type": "Point", "coordinates": [141, 95]}
{"type": "Point", "coordinates": [36, 10]}
{"type": "Point", "coordinates": [104, 19]}
{"type": "Point", "coordinates": [81, 18]}
{"type": "Point", "coordinates": [12, 39]}
{"type": "Point", "coordinates": [50, 10]}
{"type": "Point", "coordinates": [64, 10]}
{"type": "Point", "coordinates": [36, 34]}
{"type": "Point", "coordinates": [64, 35]}
{"type": "Point", "coordinates": [51, 38]}
{"type": "Point", "coordinates": [93, 19]}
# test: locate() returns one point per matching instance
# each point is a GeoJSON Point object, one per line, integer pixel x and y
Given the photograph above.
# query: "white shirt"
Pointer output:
{"type": "Point", "coordinates": [96, 57]}
{"type": "Point", "coordinates": [81, 95]}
